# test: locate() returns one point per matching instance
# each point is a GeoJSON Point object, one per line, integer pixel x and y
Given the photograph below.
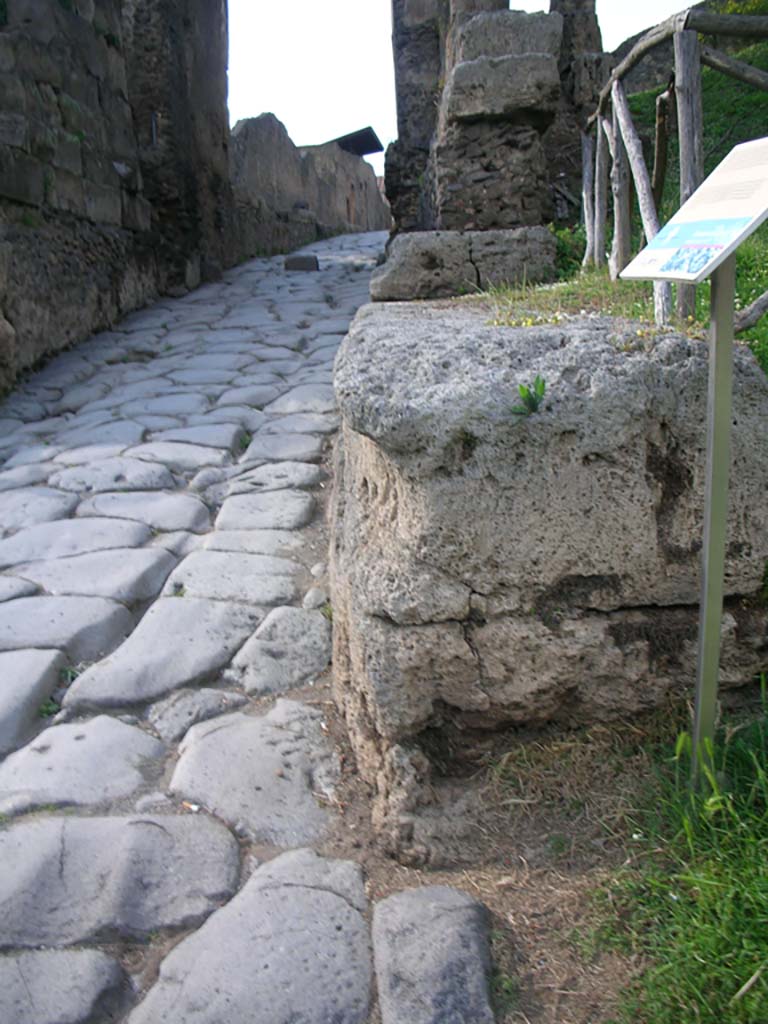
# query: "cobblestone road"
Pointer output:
{"type": "Point", "coordinates": [157, 491]}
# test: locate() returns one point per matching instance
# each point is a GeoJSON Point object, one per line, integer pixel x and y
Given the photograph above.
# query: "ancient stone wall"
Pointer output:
{"type": "Point", "coordinates": [75, 246]}
{"type": "Point", "coordinates": [493, 569]}
{"type": "Point", "coordinates": [115, 168]}
{"type": "Point", "coordinates": [490, 103]}
{"type": "Point", "coordinates": [287, 197]}
{"type": "Point", "coordinates": [177, 79]}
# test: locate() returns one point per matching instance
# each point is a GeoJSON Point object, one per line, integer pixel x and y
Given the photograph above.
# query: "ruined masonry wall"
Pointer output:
{"type": "Point", "coordinates": [75, 251]}
{"type": "Point", "coordinates": [287, 196]}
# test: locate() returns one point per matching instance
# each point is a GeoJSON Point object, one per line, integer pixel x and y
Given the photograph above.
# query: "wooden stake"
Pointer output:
{"type": "Point", "coordinates": [588, 195]}
{"type": "Point", "coordinates": [690, 127]}
{"type": "Point", "coordinates": [662, 292]}
{"type": "Point", "coordinates": [661, 144]}
{"type": "Point", "coordinates": [601, 196]}
{"type": "Point", "coordinates": [622, 228]}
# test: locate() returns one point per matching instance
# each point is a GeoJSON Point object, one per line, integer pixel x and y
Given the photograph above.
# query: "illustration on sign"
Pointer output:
{"type": "Point", "coordinates": [724, 210]}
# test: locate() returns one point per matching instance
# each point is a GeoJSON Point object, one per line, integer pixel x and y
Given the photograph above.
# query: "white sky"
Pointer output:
{"type": "Point", "coordinates": [324, 67]}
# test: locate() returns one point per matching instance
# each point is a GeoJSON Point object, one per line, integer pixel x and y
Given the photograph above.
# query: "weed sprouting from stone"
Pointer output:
{"type": "Point", "coordinates": [532, 397]}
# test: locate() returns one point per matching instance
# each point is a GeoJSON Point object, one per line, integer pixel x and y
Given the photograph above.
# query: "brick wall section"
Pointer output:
{"type": "Point", "coordinates": [74, 247]}
{"type": "Point", "coordinates": [177, 78]}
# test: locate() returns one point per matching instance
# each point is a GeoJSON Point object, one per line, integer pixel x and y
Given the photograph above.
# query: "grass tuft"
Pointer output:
{"type": "Point", "coordinates": [692, 902]}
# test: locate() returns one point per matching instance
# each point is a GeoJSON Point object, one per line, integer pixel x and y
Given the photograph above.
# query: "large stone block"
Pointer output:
{"type": "Point", "coordinates": [434, 264]}
{"type": "Point", "coordinates": [22, 178]}
{"type": "Point", "coordinates": [509, 33]}
{"type": "Point", "coordinates": [490, 568]}
{"type": "Point", "coordinates": [511, 87]}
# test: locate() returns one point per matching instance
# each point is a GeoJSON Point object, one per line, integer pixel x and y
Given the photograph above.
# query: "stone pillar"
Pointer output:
{"type": "Point", "coordinates": [417, 55]}
{"type": "Point", "coordinates": [584, 68]}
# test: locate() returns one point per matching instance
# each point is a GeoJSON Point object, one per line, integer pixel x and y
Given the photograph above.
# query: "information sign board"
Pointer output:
{"type": "Point", "coordinates": [699, 242]}
{"type": "Point", "coordinates": [722, 212]}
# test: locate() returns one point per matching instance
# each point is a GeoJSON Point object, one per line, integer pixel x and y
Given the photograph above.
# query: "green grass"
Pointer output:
{"type": "Point", "coordinates": [693, 903]}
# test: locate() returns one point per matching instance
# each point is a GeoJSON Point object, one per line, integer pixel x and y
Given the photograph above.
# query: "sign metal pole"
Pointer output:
{"type": "Point", "coordinates": [715, 509]}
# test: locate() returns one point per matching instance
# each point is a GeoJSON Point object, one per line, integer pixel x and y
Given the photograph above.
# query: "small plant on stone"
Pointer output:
{"type": "Point", "coordinates": [532, 397]}
{"type": "Point", "coordinates": [69, 674]}
{"type": "Point", "coordinates": [245, 440]}
{"type": "Point", "coordinates": [327, 611]}
{"type": "Point", "coordinates": [179, 590]}
{"type": "Point", "coordinates": [48, 708]}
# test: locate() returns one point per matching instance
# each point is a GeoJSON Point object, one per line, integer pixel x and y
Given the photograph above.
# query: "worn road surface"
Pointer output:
{"type": "Point", "coordinates": [159, 602]}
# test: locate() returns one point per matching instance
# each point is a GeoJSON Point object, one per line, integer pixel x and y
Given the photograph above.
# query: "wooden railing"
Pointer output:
{"type": "Point", "coordinates": [612, 153]}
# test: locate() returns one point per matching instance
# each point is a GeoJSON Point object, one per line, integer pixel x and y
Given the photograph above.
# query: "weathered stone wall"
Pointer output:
{"type": "Point", "coordinates": [416, 45]}
{"type": "Point", "coordinates": [75, 247]}
{"type": "Point", "coordinates": [177, 53]}
{"type": "Point", "coordinates": [115, 168]}
{"type": "Point", "coordinates": [490, 569]}
{"type": "Point", "coordinates": [288, 196]}
{"type": "Point", "coordinates": [490, 102]}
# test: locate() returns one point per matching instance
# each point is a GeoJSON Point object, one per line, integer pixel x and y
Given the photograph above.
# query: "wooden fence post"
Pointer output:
{"type": "Point", "coordinates": [622, 226]}
{"type": "Point", "coordinates": [690, 122]}
{"type": "Point", "coordinates": [588, 195]}
{"type": "Point", "coordinates": [662, 292]}
{"type": "Point", "coordinates": [601, 196]}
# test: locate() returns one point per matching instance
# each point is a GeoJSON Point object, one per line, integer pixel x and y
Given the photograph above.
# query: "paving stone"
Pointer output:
{"type": "Point", "coordinates": [155, 509]}
{"type": "Point", "coordinates": [167, 405]}
{"type": "Point", "coordinates": [204, 636]}
{"type": "Point", "coordinates": [206, 375]}
{"type": "Point", "coordinates": [27, 679]}
{"type": "Point", "coordinates": [289, 647]}
{"type": "Point", "coordinates": [68, 880]}
{"type": "Point", "coordinates": [220, 360]}
{"type": "Point", "coordinates": [276, 476]}
{"type": "Point", "coordinates": [225, 576]}
{"type": "Point", "coordinates": [276, 510]}
{"type": "Point", "coordinates": [175, 455]}
{"type": "Point", "coordinates": [285, 447]}
{"type": "Point", "coordinates": [255, 394]}
{"type": "Point", "coordinates": [70, 537]}
{"type": "Point", "coordinates": [302, 423]}
{"type": "Point", "coordinates": [24, 476]}
{"type": "Point", "coordinates": [305, 398]}
{"type": "Point", "coordinates": [83, 763]}
{"type": "Point", "coordinates": [251, 419]}
{"type": "Point", "coordinates": [122, 432]}
{"type": "Point", "coordinates": [87, 454]}
{"type": "Point", "coordinates": [176, 714]}
{"type": "Point", "coordinates": [123, 574]}
{"type": "Point", "coordinates": [60, 987]}
{"type": "Point", "coordinates": [291, 948]}
{"type": "Point", "coordinates": [179, 542]}
{"type": "Point", "coordinates": [12, 587]}
{"type": "Point", "coordinates": [255, 542]}
{"type": "Point", "coordinates": [86, 628]}
{"type": "Point", "coordinates": [302, 262]}
{"type": "Point", "coordinates": [261, 775]}
{"type": "Point", "coordinates": [161, 422]}
{"type": "Point", "coordinates": [215, 435]}
{"type": "Point", "coordinates": [27, 506]}
{"type": "Point", "coordinates": [315, 597]}
{"type": "Point", "coordinates": [121, 474]}
{"type": "Point", "coordinates": [33, 454]}
{"type": "Point", "coordinates": [432, 955]}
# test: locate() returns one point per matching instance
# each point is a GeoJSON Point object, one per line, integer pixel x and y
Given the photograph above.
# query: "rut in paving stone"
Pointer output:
{"type": "Point", "coordinates": [159, 603]}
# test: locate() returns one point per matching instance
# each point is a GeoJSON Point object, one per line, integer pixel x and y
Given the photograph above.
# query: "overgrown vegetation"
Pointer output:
{"type": "Point", "coordinates": [733, 112]}
{"type": "Point", "coordinates": [692, 901]}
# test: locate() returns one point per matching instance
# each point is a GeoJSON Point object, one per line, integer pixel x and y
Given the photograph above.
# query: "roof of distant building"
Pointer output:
{"type": "Point", "coordinates": [361, 143]}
